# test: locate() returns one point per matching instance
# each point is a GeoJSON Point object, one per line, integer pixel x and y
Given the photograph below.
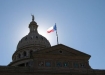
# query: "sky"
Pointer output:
{"type": "Point", "coordinates": [80, 25]}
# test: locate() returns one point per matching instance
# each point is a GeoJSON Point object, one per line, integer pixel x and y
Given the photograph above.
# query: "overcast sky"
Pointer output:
{"type": "Point", "coordinates": [80, 23]}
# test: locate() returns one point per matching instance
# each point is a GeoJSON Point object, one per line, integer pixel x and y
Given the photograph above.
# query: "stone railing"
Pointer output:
{"type": "Point", "coordinates": [71, 71]}
{"type": "Point", "coordinates": [13, 69]}
{"type": "Point", "coordinates": [52, 70]}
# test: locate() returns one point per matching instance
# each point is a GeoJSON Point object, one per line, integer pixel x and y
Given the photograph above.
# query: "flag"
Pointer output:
{"type": "Point", "coordinates": [52, 29]}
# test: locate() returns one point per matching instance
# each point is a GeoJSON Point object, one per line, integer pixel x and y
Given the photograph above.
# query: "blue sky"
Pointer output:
{"type": "Point", "coordinates": [80, 23]}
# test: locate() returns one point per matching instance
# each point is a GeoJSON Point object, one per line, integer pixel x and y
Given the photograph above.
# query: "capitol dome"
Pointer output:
{"type": "Point", "coordinates": [29, 44]}
{"type": "Point", "coordinates": [33, 38]}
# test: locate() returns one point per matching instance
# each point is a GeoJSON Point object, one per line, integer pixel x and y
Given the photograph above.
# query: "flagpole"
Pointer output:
{"type": "Point", "coordinates": [57, 34]}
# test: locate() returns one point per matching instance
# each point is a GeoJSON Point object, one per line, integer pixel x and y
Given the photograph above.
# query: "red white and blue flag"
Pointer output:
{"type": "Point", "coordinates": [52, 29]}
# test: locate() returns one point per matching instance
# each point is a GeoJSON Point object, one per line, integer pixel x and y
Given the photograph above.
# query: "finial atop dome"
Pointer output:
{"type": "Point", "coordinates": [32, 17]}
{"type": "Point", "coordinates": [33, 25]}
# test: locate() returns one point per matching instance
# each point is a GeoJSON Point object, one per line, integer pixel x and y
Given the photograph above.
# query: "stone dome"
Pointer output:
{"type": "Point", "coordinates": [33, 38]}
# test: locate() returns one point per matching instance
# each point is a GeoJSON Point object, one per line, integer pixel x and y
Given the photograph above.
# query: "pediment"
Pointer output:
{"type": "Point", "coordinates": [62, 50]}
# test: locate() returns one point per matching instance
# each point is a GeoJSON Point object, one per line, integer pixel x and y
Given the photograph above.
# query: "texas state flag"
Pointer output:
{"type": "Point", "coordinates": [52, 29]}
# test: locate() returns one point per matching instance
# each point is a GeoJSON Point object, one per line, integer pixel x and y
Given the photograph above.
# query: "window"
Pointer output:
{"type": "Point", "coordinates": [31, 37]}
{"type": "Point", "coordinates": [19, 55]}
{"type": "Point", "coordinates": [26, 38]}
{"type": "Point", "coordinates": [36, 37]}
{"type": "Point", "coordinates": [41, 63]}
{"type": "Point", "coordinates": [58, 64]}
{"type": "Point", "coordinates": [60, 51]}
{"type": "Point", "coordinates": [30, 63]}
{"type": "Point", "coordinates": [76, 65]}
{"type": "Point", "coordinates": [42, 38]}
{"type": "Point", "coordinates": [15, 58]}
{"type": "Point", "coordinates": [31, 53]}
{"type": "Point", "coordinates": [65, 64]}
{"type": "Point", "coordinates": [82, 65]}
{"type": "Point", "coordinates": [48, 64]}
{"type": "Point", "coordinates": [24, 53]}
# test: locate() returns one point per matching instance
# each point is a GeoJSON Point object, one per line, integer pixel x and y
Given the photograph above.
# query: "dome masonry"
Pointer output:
{"type": "Point", "coordinates": [33, 39]}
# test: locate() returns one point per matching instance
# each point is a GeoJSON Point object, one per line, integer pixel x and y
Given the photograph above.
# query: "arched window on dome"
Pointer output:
{"type": "Point", "coordinates": [36, 37]}
{"type": "Point", "coordinates": [42, 38]}
{"type": "Point", "coordinates": [15, 58]}
{"type": "Point", "coordinates": [31, 53]}
{"type": "Point", "coordinates": [26, 38]}
{"type": "Point", "coordinates": [31, 37]}
{"type": "Point", "coordinates": [19, 55]}
{"type": "Point", "coordinates": [24, 53]}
